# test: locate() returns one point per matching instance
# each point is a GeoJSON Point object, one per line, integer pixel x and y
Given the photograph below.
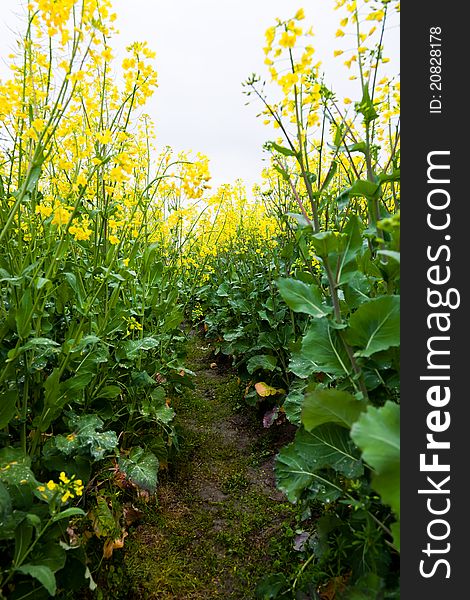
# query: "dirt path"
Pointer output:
{"type": "Point", "coordinates": [219, 523]}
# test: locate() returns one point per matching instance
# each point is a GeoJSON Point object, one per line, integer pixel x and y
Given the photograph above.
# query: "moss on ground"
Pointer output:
{"type": "Point", "coordinates": [218, 524]}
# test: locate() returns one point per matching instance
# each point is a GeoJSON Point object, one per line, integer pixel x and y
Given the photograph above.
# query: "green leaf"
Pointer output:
{"type": "Point", "coordinates": [108, 391]}
{"type": "Point", "coordinates": [303, 298]}
{"type": "Point", "coordinates": [323, 347]}
{"type": "Point", "coordinates": [391, 253]}
{"type": "Point", "coordinates": [300, 219]}
{"type": "Point", "coordinates": [377, 434]}
{"type": "Point", "coordinates": [282, 150]}
{"type": "Point", "coordinates": [300, 464]}
{"type": "Point", "coordinates": [67, 513]}
{"type": "Point", "coordinates": [366, 106]}
{"type": "Point", "coordinates": [49, 554]}
{"type": "Point", "coordinates": [104, 523]}
{"type": "Point", "coordinates": [284, 174]}
{"type": "Point", "coordinates": [5, 503]}
{"type": "Point", "coordinates": [7, 406]}
{"type": "Point", "coordinates": [301, 366]}
{"type": "Point", "coordinates": [265, 362]}
{"type": "Point", "coordinates": [16, 474]}
{"type": "Point", "coordinates": [364, 188]}
{"type": "Point", "coordinates": [393, 176]}
{"type": "Point", "coordinates": [23, 540]}
{"type": "Point", "coordinates": [329, 176]}
{"type": "Point", "coordinates": [292, 405]}
{"type": "Point", "coordinates": [132, 348]}
{"type": "Point", "coordinates": [42, 573]}
{"type": "Point", "coordinates": [141, 468]}
{"type": "Point", "coordinates": [271, 586]}
{"type": "Point", "coordinates": [375, 325]}
{"type": "Point", "coordinates": [164, 413]}
{"type": "Point", "coordinates": [23, 314]}
{"type": "Point", "coordinates": [330, 406]}
{"type": "Point", "coordinates": [330, 445]}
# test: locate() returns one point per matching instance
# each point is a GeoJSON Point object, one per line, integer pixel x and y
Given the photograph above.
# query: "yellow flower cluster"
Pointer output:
{"type": "Point", "coordinates": [65, 489]}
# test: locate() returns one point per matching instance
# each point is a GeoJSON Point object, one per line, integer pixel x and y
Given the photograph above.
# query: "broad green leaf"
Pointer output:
{"type": "Point", "coordinates": [356, 290]}
{"type": "Point", "coordinates": [342, 249]}
{"type": "Point", "coordinates": [292, 405]}
{"type": "Point", "coordinates": [54, 400]}
{"type": "Point", "coordinates": [40, 282]}
{"type": "Point", "coordinates": [301, 366]}
{"type": "Point", "coordinates": [23, 540]}
{"type": "Point", "coordinates": [330, 445]}
{"type": "Point", "coordinates": [325, 242]}
{"type": "Point", "coordinates": [364, 188]}
{"type": "Point", "coordinates": [77, 287]}
{"type": "Point", "coordinates": [299, 218]}
{"type": "Point", "coordinates": [377, 433]}
{"type": "Point", "coordinates": [108, 391]}
{"type": "Point", "coordinates": [323, 347]}
{"type": "Point", "coordinates": [271, 586]}
{"type": "Point", "coordinates": [23, 314]}
{"type": "Point", "coordinates": [303, 298]}
{"type": "Point", "coordinates": [7, 406]}
{"type": "Point", "coordinates": [5, 503]}
{"type": "Point", "coordinates": [50, 554]}
{"type": "Point", "coordinates": [42, 573]}
{"type": "Point", "coordinates": [375, 325]}
{"type": "Point", "coordinates": [293, 473]}
{"type": "Point", "coordinates": [165, 414]}
{"type": "Point", "coordinates": [132, 348]}
{"type": "Point", "coordinates": [390, 253]}
{"type": "Point", "coordinates": [104, 523]}
{"type": "Point", "coordinates": [393, 176]}
{"type": "Point", "coordinates": [265, 362]}
{"type": "Point", "coordinates": [330, 406]}
{"type": "Point", "coordinates": [300, 465]}
{"type": "Point", "coordinates": [172, 320]}
{"type": "Point", "coordinates": [17, 476]}
{"type": "Point", "coordinates": [141, 468]}
{"type": "Point", "coordinates": [84, 440]}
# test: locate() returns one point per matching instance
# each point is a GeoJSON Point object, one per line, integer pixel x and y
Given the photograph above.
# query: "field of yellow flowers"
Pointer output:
{"type": "Point", "coordinates": [111, 249]}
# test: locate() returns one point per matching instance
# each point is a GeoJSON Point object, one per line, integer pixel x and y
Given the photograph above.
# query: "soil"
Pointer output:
{"type": "Point", "coordinates": [219, 524]}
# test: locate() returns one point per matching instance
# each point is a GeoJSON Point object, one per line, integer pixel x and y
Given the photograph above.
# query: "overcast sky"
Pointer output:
{"type": "Point", "coordinates": [205, 49]}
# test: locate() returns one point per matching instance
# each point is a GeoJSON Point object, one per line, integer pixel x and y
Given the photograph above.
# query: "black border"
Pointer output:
{"type": "Point", "coordinates": [423, 132]}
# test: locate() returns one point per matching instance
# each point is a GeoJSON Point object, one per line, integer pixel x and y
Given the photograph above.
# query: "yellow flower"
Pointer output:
{"type": "Point", "coordinates": [43, 210]}
{"type": "Point", "coordinates": [377, 15]}
{"type": "Point", "coordinates": [107, 54]}
{"type": "Point", "coordinates": [287, 41]}
{"type": "Point", "coordinates": [114, 240]}
{"type": "Point", "coordinates": [339, 33]}
{"type": "Point", "coordinates": [299, 15]}
{"type": "Point", "coordinates": [63, 477]}
{"type": "Point", "coordinates": [61, 216]}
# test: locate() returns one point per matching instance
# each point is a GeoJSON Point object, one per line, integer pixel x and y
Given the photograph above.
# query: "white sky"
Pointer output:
{"type": "Point", "coordinates": [205, 49]}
